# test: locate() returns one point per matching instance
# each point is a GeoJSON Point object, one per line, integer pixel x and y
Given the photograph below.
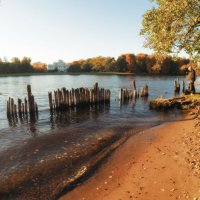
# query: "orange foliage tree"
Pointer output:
{"type": "Point", "coordinates": [40, 67]}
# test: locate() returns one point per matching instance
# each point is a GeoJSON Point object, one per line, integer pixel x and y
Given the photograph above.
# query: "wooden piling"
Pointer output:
{"type": "Point", "coordinates": [73, 97]}
{"type": "Point", "coordinates": [8, 108]}
{"type": "Point", "coordinates": [176, 86]}
{"type": "Point", "coordinates": [134, 88]}
{"type": "Point", "coordinates": [95, 92]}
{"type": "Point", "coordinates": [26, 106]}
{"type": "Point", "coordinates": [15, 110]}
{"type": "Point", "coordinates": [23, 109]}
{"type": "Point", "coordinates": [31, 101]}
{"type": "Point", "coordinates": [50, 101]}
{"type": "Point", "coordinates": [64, 98]}
{"type": "Point", "coordinates": [12, 107]}
{"type": "Point", "coordinates": [36, 109]}
{"type": "Point", "coordinates": [120, 94]}
{"type": "Point", "coordinates": [81, 96]}
{"type": "Point", "coordinates": [183, 86]}
{"type": "Point", "coordinates": [19, 107]}
{"type": "Point", "coordinates": [67, 98]}
{"type": "Point", "coordinates": [146, 91]}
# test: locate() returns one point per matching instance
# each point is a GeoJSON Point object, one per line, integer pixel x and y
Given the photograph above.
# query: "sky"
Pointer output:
{"type": "Point", "coordinates": [48, 30]}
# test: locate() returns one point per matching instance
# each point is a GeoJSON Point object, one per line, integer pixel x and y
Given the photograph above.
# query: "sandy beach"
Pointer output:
{"type": "Point", "coordinates": [160, 163]}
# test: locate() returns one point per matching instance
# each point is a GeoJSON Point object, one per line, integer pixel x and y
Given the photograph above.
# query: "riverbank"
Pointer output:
{"type": "Point", "coordinates": [82, 73]}
{"type": "Point", "coordinates": [160, 163]}
{"type": "Point", "coordinates": [67, 73]}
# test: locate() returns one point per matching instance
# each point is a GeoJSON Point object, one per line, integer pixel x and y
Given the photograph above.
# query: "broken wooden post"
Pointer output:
{"type": "Point", "coordinates": [183, 86]}
{"type": "Point", "coordinates": [50, 101]}
{"type": "Point", "coordinates": [176, 86]}
{"type": "Point", "coordinates": [36, 109]}
{"type": "Point", "coordinates": [15, 110]}
{"type": "Point", "coordinates": [141, 92]}
{"type": "Point", "coordinates": [95, 92]}
{"type": "Point", "coordinates": [12, 107]}
{"type": "Point", "coordinates": [26, 106]}
{"type": "Point", "coordinates": [23, 109]}
{"type": "Point", "coordinates": [134, 88]}
{"type": "Point", "coordinates": [20, 107]}
{"type": "Point", "coordinates": [8, 108]}
{"type": "Point", "coordinates": [146, 91]}
{"type": "Point", "coordinates": [31, 102]}
{"type": "Point", "coordinates": [120, 95]}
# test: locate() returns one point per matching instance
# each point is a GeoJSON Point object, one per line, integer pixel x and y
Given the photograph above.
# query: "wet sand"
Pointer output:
{"type": "Point", "coordinates": [159, 163]}
{"type": "Point", "coordinates": [41, 168]}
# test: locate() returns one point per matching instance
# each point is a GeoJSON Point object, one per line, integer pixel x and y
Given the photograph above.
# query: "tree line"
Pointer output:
{"type": "Point", "coordinates": [21, 66]}
{"type": "Point", "coordinates": [155, 64]}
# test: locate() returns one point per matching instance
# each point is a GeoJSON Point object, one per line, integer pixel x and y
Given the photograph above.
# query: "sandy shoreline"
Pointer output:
{"type": "Point", "coordinates": [159, 163]}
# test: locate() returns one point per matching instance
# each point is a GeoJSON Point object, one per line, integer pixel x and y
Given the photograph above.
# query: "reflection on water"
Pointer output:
{"type": "Point", "coordinates": [60, 119]}
{"type": "Point", "coordinates": [75, 115]}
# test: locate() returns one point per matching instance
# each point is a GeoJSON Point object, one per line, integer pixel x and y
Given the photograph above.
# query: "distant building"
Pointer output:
{"type": "Point", "coordinates": [60, 66]}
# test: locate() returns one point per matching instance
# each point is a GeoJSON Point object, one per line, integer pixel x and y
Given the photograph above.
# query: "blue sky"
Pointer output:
{"type": "Point", "coordinates": [48, 30]}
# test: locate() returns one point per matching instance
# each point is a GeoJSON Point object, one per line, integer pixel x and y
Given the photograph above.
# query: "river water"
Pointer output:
{"type": "Point", "coordinates": [133, 113]}
{"type": "Point", "coordinates": [51, 138]}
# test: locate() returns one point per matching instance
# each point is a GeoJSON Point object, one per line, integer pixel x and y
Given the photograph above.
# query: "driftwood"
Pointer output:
{"type": "Point", "coordinates": [184, 102]}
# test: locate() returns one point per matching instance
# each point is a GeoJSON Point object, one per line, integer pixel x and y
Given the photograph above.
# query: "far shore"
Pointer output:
{"type": "Point", "coordinates": [83, 73]}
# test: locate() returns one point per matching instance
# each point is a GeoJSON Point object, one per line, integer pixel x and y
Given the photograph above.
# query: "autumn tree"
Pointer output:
{"type": "Point", "coordinates": [158, 64]}
{"type": "Point", "coordinates": [131, 63]}
{"type": "Point", "coordinates": [141, 62]}
{"type": "Point", "coordinates": [178, 64]}
{"type": "Point", "coordinates": [172, 26]}
{"type": "Point", "coordinates": [40, 67]}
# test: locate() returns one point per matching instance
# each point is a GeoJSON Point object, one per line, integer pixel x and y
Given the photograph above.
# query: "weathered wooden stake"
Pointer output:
{"type": "Point", "coordinates": [134, 88]}
{"type": "Point", "coordinates": [26, 106]}
{"type": "Point", "coordinates": [183, 86]}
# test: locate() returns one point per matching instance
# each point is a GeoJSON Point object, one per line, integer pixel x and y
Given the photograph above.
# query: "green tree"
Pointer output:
{"type": "Point", "coordinates": [26, 65]}
{"type": "Point", "coordinates": [121, 63]}
{"type": "Point", "coordinates": [76, 66]}
{"type": "Point", "coordinates": [173, 26]}
{"type": "Point", "coordinates": [109, 64]}
{"type": "Point", "coordinates": [86, 66]}
{"type": "Point", "coordinates": [16, 60]}
{"type": "Point", "coordinates": [26, 61]}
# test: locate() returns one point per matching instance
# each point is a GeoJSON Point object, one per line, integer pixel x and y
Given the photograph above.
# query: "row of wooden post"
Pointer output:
{"type": "Point", "coordinates": [177, 86]}
{"type": "Point", "coordinates": [22, 108]}
{"type": "Point", "coordinates": [127, 94]}
{"type": "Point", "coordinates": [62, 99]}
{"type": "Point", "coordinates": [144, 91]}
